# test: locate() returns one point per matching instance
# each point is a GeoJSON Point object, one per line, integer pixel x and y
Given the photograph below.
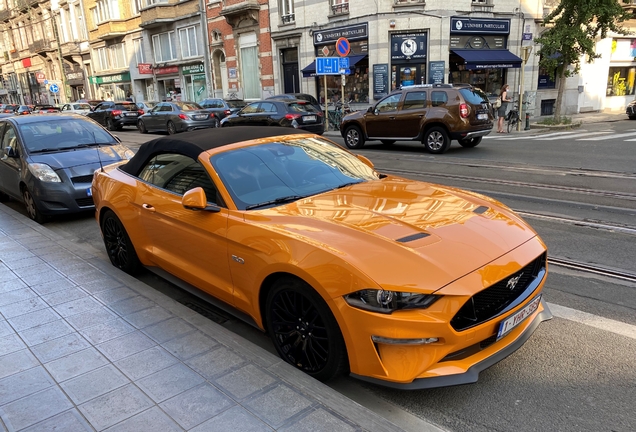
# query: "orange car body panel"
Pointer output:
{"type": "Point", "coordinates": [340, 242]}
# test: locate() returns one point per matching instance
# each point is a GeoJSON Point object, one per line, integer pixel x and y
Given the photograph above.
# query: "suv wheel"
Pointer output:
{"type": "Point", "coordinates": [470, 142]}
{"type": "Point", "coordinates": [353, 137]}
{"type": "Point", "coordinates": [436, 140]}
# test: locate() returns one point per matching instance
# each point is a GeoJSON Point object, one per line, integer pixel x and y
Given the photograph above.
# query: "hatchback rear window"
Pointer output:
{"type": "Point", "coordinates": [301, 107]}
{"type": "Point", "coordinates": [473, 96]}
{"type": "Point", "coordinates": [127, 107]}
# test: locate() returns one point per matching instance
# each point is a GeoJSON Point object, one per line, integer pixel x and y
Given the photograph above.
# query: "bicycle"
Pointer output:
{"type": "Point", "coordinates": [337, 113]}
{"type": "Point", "coordinates": [512, 118]}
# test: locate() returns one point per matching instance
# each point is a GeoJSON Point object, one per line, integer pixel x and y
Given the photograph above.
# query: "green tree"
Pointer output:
{"type": "Point", "coordinates": [573, 28]}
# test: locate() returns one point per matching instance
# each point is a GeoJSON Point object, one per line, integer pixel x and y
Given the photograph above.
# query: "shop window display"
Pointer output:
{"type": "Point", "coordinates": [620, 81]}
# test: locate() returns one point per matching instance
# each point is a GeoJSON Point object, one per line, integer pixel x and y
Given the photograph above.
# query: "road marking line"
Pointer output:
{"type": "Point", "coordinates": [595, 321]}
{"type": "Point", "coordinates": [608, 137]}
{"type": "Point", "coordinates": [573, 136]}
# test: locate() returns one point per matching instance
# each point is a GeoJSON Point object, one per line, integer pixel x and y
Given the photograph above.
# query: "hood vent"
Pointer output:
{"type": "Point", "coordinates": [412, 237]}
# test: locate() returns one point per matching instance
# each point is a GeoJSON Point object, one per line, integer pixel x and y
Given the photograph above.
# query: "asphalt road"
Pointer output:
{"type": "Point", "coordinates": [578, 371]}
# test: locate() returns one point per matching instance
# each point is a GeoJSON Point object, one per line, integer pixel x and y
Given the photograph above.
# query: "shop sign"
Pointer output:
{"type": "Point", "coordinates": [145, 68]}
{"type": "Point", "coordinates": [408, 46]}
{"type": "Point", "coordinates": [477, 42]}
{"type": "Point", "coordinates": [436, 72]}
{"type": "Point", "coordinates": [231, 73]}
{"type": "Point", "coordinates": [77, 75]}
{"type": "Point", "coordinates": [192, 69]}
{"type": "Point", "coordinates": [380, 80]}
{"type": "Point", "coordinates": [26, 62]}
{"type": "Point", "coordinates": [354, 32]}
{"type": "Point", "coordinates": [480, 25]}
{"type": "Point", "coordinates": [40, 77]}
{"type": "Point", "coordinates": [110, 78]}
{"type": "Point", "coordinates": [198, 77]}
{"type": "Point", "coordinates": [167, 70]}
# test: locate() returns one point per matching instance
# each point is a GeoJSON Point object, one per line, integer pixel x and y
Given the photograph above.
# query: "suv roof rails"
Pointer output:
{"type": "Point", "coordinates": [426, 86]}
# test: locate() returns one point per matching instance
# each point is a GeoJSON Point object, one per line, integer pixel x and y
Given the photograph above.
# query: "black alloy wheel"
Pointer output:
{"type": "Point", "coordinates": [32, 208]}
{"type": "Point", "coordinates": [215, 121]}
{"type": "Point", "coordinates": [172, 129]}
{"type": "Point", "coordinates": [110, 125]}
{"type": "Point", "coordinates": [470, 142]}
{"type": "Point", "coordinates": [119, 248]}
{"type": "Point", "coordinates": [353, 137]}
{"type": "Point", "coordinates": [142, 127]}
{"type": "Point", "coordinates": [304, 331]}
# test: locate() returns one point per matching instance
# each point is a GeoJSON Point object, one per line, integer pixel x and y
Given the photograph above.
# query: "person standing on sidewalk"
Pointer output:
{"type": "Point", "coordinates": [501, 111]}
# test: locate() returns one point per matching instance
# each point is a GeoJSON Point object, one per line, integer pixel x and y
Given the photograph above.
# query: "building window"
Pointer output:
{"type": "Point", "coordinates": [250, 73]}
{"type": "Point", "coordinates": [139, 51]}
{"type": "Point", "coordinates": [79, 13]}
{"type": "Point", "coordinates": [401, 2]}
{"type": "Point", "coordinates": [136, 6]}
{"type": "Point", "coordinates": [620, 81]}
{"type": "Point", "coordinates": [188, 39]}
{"type": "Point", "coordinates": [148, 3]}
{"type": "Point", "coordinates": [287, 11]}
{"type": "Point", "coordinates": [118, 55]}
{"type": "Point", "coordinates": [339, 6]}
{"type": "Point", "coordinates": [102, 59]}
{"type": "Point", "coordinates": [106, 10]}
{"type": "Point", "coordinates": [164, 47]}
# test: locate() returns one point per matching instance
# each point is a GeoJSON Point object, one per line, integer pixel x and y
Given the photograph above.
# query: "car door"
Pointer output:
{"type": "Point", "coordinates": [99, 113]}
{"type": "Point", "coordinates": [380, 123]}
{"type": "Point", "coordinates": [246, 115]}
{"type": "Point", "coordinates": [189, 244]}
{"type": "Point", "coordinates": [152, 119]}
{"type": "Point", "coordinates": [412, 113]}
{"type": "Point", "coordinates": [268, 114]}
{"type": "Point", "coordinates": [10, 167]}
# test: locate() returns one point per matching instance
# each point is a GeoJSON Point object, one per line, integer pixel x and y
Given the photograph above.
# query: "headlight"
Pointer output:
{"type": "Point", "coordinates": [128, 154]}
{"type": "Point", "coordinates": [389, 301]}
{"type": "Point", "coordinates": [44, 172]}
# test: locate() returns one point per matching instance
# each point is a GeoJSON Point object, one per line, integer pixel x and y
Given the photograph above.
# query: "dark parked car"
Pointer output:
{"type": "Point", "coordinates": [45, 109]}
{"type": "Point", "coordinates": [631, 110]}
{"type": "Point", "coordinates": [8, 108]}
{"type": "Point", "coordinates": [92, 102]}
{"type": "Point", "coordinates": [115, 115]}
{"type": "Point", "coordinates": [23, 110]}
{"type": "Point", "coordinates": [48, 161]}
{"type": "Point", "coordinates": [279, 112]}
{"type": "Point", "coordinates": [145, 107]}
{"type": "Point", "coordinates": [300, 96]}
{"type": "Point", "coordinates": [173, 117]}
{"type": "Point", "coordinates": [222, 108]}
{"type": "Point", "coordinates": [433, 114]}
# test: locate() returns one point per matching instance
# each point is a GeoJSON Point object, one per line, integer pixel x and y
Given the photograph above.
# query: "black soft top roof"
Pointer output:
{"type": "Point", "coordinates": [193, 143]}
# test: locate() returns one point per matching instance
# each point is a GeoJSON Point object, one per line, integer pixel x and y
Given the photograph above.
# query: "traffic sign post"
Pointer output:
{"type": "Point", "coordinates": [343, 47]}
{"type": "Point", "coordinates": [54, 88]}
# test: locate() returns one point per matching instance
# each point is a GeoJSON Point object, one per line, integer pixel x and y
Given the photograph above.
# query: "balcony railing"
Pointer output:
{"type": "Point", "coordinates": [157, 12]}
{"type": "Point", "coordinates": [341, 8]}
{"type": "Point", "coordinates": [40, 46]}
{"type": "Point", "coordinates": [288, 19]}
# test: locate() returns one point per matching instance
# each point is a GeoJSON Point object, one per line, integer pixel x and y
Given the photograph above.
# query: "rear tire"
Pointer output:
{"type": "Point", "coordinates": [512, 124]}
{"type": "Point", "coordinates": [215, 122]}
{"type": "Point", "coordinates": [632, 117]}
{"type": "Point", "coordinates": [436, 140]}
{"type": "Point", "coordinates": [172, 129]}
{"type": "Point", "coordinates": [110, 125]}
{"type": "Point", "coordinates": [353, 137]}
{"type": "Point", "coordinates": [119, 247]}
{"type": "Point", "coordinates": [470, 142]}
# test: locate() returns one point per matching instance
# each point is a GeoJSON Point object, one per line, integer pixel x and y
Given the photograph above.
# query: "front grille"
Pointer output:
{"type": "Point", "coordinates": [82, 179]}
{"type": "Point", "coordinates": [471, 350]}
{"type": "Point", "coordinates": [85, 202]}
{"type": "Point", "coordinates": [493, 300]}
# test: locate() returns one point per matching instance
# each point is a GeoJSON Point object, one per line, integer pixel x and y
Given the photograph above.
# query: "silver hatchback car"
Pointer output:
{"type": "Point", "coordinates": [173, 117]}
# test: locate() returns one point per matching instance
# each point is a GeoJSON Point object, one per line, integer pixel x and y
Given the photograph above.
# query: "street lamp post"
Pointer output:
{"type": "Point", "coordinates": [63, 88]}
{"type": "Point", "coordinates": [525, 55]}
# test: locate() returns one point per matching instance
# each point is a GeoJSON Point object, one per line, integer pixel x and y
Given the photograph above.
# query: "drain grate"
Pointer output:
{"type": "Point", "coordinates": [207, 312]}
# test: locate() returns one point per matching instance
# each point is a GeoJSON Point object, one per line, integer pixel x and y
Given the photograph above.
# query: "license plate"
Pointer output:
{"type": "Point", "coordinates": [513, 321]}
{"type": "Point", "coordinates": [89, 191]}
{"type": "Point", "coordinates": [309, 118]}
{"type": "Point", "coordinates": [200, 117]}
{"type": "Point", "coordinates": [482, 116]}
{"type": "Point", "coordinates": [131, 114]}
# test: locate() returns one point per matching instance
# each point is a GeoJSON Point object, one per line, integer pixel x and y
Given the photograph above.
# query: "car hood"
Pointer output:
{"type": "Point", "coordinates": [403, 233]}
{"type": "Point", "coordinates": [86, 156]}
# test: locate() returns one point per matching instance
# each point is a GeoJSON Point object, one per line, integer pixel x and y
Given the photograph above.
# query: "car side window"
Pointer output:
{"type": "Point", "coordinates": [415, 100]}
{"type": "Point", "coordinates": [165, 107]}
{"type": "Point", "coordinates": [250, 109]}
{"type": "Point", "coordinates": [438, 98]}
{"type": "Point", "coordinates": [388, 104]}
{"type": "Point", "coordinates": [267, 107]}
{"type": "Point", "coordinates": [9, 139]}
{"type": "Point", "coordinates": [178, 174]}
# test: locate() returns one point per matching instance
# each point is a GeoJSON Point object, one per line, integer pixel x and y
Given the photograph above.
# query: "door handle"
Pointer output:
{"type": "Point", "coordinates": [421, 115]}
{"type": "Point", "coordinates": [391, 118]}
{"type": "Point", "coordinates": [148, 207]}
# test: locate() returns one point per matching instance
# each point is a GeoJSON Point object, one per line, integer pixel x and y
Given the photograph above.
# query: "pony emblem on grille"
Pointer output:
{"type": "Point", "coordinates": [512, 282]}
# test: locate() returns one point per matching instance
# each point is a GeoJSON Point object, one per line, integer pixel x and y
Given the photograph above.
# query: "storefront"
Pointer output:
{"type": "Point", "coordinates": [356, 87]}
{"type": "Point", "coordinates": [194, 82]}
{"type": "Point", "coordinates": [621, 78]}
{"type": "Point", "coordinates": [113, 87]}
{"type": "Point", "coordinates": [408, 59]}
{"type": "Point", "coordinates": [75, 80]}
{"type": "Point", "coordinates": [479, 54]}
{"type": "Point", "coordinates": [168, 83]}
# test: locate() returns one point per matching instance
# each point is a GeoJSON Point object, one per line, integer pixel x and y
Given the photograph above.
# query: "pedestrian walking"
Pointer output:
{"type": "Point", "coordinates": [501, 111]}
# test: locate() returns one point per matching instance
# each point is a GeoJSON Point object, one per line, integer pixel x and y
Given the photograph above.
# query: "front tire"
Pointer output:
{"type": "Point", "coordinates": [436, 140]}
{"type": "Point", "coordinates": [172, 129]}
{"type": "Point", "coordinates": [119, 247]}
{"type": "Point", "coordinates": [470, 142]}
{"type": "Point", "coordinates": [304, 331]}
{"type": "Point", "coordinates": [32, 208]}
{"type": "Point", "coordinates": [353, 137]}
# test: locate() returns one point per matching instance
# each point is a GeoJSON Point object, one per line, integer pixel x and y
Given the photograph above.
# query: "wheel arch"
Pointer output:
{"type": "Point", "coordinates": [433, 124]}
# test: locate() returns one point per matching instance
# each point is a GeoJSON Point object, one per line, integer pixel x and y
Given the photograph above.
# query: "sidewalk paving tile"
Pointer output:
{"type": "Point", "coordinates": [5, 328]}
{"type": "Point", "coordinates": [190, 345]}
{"type": "Point", "coordinates": [11, 282]}
{"type": "Point", "coordinates": [22, 307]}
{"type": "Point", "coordinates": [278, 405]}
{"type": "Point", "coordinates": [52, 286]}
{"type": "Point", "coordinates": [114, 295]}
{"type": "Point", "coordinates": [196, 405]}
{"type": "Point", "coordinates": [17, 295]}
{"type": "Point", "coordinates": [106, 331]}
{"type": "Point", "coordinates": [124, 346]}
{"type": "Point", "coordinates": [146, 362]}
{"type": "Point", "coordinates": [151, 420]}
{"type": "Point", "coordinates": [216, 362]}
{"type": "Point", "coordinates": [168, 329]}
{"type": "Point", "coordinates": [101, 285]}
{"type": "Point", "coordinates": [75, 364]}
{"type": "Point", "coordinates": [128, 306]}
{"type": "Point", "coordinates": [169, 382]}
{"type": "Point", "coordinates": [147, 317]}
{"type": "Point", "coordinates": [17, 362]}
{"type": "Point", "coordinates": [234, 419]}
{"type": "Point", "coordinates": [111, 408]}
{"type": "Point", "coordinates": [46, 332]}
{"type": "Point", "coordinates": [63, 296]}
{"type": "Point", "coordinates": [45, 274]}
{"type": "Point", "coordinates": [22, 384]}
{"type": "Point", "coordinates": [245, 381]}
{"type": "Point", "coordinates": [10, 344]}
{"type": "Point", "coordinates": [27, 262]}
{"type": "Point", "coordinates": [35, 408]}
{"type": "Point", "coordinates": [33, 319]}
{"type": "Point", "coordinates": [60, 347]}
{"type": "Point", "coordinates": [91, 318]}
{"type": "Point", "coordinates": [78, 306]}
{"type": "Point", "coordinates": [94, 383]}
{"type": "Point", "coordinates": [68, 421]}
{"type": "Point", "coordinates": [319, 420]}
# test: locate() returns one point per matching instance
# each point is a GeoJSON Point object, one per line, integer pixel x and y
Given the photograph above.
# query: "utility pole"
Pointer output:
{"type": "Point", "coordinates": [525, 55]}
{"type": "Point", "coordinates": [55, 6]}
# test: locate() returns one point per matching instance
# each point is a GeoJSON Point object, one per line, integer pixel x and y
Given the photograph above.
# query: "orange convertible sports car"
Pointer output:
{"type": "Point", "coordinates": [399, 282]}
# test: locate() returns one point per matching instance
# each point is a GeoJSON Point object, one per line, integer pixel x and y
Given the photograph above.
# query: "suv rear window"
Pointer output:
{"type": "Point", "coordinates": [473, 96]}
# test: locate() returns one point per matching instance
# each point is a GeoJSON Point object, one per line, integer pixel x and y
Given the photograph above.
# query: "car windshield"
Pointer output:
{"type": "Point", "coordinates": [188, 106]}
{"type": "Point", "coordinates": [53, 135]}
{"type": "Point", "coordinates": [82, 106]}
{"type": "Point", "coordinates": [235, 104]}
{"type": "Point", "coordinates": [271, 174]}
{"type": "Point", "coordinates": [473, 96]}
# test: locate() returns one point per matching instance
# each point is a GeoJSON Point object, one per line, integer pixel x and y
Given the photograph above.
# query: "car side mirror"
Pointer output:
{"type": "Point", "coordinates": [9, 152]}
{"type": "Point", "coordinates": [370, 109]}
{"type": "Point", "coordinates": [195, 199]}
{"type": "Point", "coordinates": [365, 160]}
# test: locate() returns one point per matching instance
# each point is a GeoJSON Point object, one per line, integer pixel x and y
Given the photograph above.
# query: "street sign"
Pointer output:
{"type": "Point", "coordinates": [527, 37]}
{"type": "Point", "coordinates": [344, 63]}
{"type": "Point", "coordinates": [54, 88]}
{"type": "Point", "coordinates": [332, 66]}
{"type": "Point", "coordinates": [46, 81]}
{"type": "Point", "coordinates": [343, 47]}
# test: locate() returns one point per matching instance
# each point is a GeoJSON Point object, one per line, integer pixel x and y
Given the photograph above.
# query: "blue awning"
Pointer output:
{"type": "Point", "coordinates": [310, 69]}
{"type": "Point", "coordinates": [488, 58]}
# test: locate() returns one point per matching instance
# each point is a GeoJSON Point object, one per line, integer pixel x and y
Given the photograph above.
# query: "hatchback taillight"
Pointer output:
{"type": "Point", "coordinates": [183, 116]}
{"type": "Point", "coordinates": [227, 112]}
{"type": "Point", "coordinates": [140, 112]}
{"type": "Point", "coordinates": [464, 110]}
{"type": "Point", "coordinates": [116, 112]}
{"type": "Point", "coordinates": [292, 116]}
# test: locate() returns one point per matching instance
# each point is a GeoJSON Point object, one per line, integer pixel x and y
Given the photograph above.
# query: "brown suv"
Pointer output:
{"type": "Point", "coordinates": [434, 114]}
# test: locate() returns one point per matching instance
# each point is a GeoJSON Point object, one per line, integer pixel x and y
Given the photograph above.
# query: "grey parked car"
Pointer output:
{"type": "Point", "coordinates": [48, 161]}
{"type": "Point", "coordinates": [221, 107]}
{"type": "Point", "coordinates": [173, 117]}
